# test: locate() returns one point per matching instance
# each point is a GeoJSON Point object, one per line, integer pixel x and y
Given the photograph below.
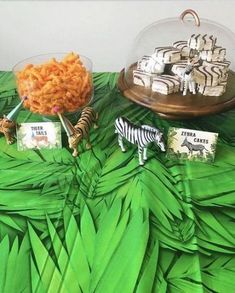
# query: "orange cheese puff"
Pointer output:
{"type": "Point", "coordinates": [65, 84]}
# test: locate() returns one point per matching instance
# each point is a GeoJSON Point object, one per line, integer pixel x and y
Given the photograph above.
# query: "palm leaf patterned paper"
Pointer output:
{"type": "Point", "coordinates": [101, 223]}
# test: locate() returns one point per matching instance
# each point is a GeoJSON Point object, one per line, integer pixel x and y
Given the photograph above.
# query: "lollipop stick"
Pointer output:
{"type": "Point", "coordinates": [68, 127]}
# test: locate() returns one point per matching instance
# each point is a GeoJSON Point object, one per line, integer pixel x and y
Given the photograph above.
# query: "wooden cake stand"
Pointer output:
{"type": "Point", "coordinates": [176, 106]}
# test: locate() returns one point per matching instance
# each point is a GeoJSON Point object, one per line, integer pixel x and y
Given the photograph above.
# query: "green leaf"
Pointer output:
{"type": "Point", "coordinates": [128, 259]}
{"type": "Point", "coordinates": [49, 273]}
{"type": "Point", "coordinates": [108, 237]}
{"type": "Point", "coordinates": [147, 279]}
{"type": "Point", "coordinates": [66, 270]}
{"type": "Point", "coordinates": [14, 265]}
{"type": "Point", "coordinates": [76, 251]}
{"type": "Point", "coordinates": [88, 234]}
{"type": "Point", "coordinates": [4, 249]}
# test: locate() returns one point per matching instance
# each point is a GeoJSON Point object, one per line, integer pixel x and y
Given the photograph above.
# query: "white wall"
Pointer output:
{"type": "Point", "coordinates": [101, 30]}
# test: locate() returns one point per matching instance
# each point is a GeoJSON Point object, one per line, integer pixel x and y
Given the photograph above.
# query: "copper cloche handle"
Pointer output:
{"type": "Point", "coordinates": [194, 15]}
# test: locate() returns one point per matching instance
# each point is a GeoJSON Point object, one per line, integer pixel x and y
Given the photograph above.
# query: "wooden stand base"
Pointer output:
{"type": "Point", "coordinates": [176, 106]}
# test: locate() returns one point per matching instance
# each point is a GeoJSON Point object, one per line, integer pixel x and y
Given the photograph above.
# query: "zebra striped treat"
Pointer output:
{"type": "Point", "coordinates": [141, 136]}
{"type": "Point", "coordinates": [142, 78]}
{"type": "Point", "coordinates": [224, 66]}
{"type": "Point", "coordinates": [166, 84]}
{"type": "Point", "coordinates": [201, 42]}
{"type": "Point", "coordinates": [217, 54]}
{"type": "Point", "coordinates": [149, 65]}
{"type": "Point", "coordinates": [144, 63]}
{"type": "Point", "coordinates": [179, 67]}
{"type": "Point", "coordinates": [184, 49]}
{"type": "Point", "coordinates": [167, 55]}
{"type": "Point", "coordinates": [216, 91]}
{"type": "Point", "coordinates": [208, 75]}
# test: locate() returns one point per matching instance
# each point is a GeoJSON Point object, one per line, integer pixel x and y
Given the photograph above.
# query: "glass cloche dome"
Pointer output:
{"type": "Point", "coordinates": [182, 67]}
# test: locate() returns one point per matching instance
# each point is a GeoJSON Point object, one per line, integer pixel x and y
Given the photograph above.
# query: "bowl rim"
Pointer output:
{"type": "Point", "coordinates": [51, 56]}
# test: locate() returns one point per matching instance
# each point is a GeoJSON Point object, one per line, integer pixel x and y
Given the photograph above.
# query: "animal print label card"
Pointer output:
{"type": "Point", "coordinates": [191, 144]}
{"type": "Point", "coordinates": [39, 135]}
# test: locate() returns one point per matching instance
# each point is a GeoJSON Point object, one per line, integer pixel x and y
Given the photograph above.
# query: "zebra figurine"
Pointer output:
{"type": "Point", "coordinates": [193, 147]}
{"type": "Point", "coordinates": [141, 136]}
{"type": "Point", "coordinates": [187, 81]}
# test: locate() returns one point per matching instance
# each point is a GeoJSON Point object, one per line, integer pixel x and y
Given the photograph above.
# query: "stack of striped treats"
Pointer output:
{"type": "Point", "coordinates": [209, 72]}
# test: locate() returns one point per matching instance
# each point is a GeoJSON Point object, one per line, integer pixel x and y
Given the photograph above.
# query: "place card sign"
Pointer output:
{"type": "Point", "coordinates": [191, 144]}
{"type": "Point", "coordinates": [39, 135]}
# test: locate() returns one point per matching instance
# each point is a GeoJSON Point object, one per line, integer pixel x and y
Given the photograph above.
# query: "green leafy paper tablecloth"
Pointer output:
{"type": "Point", "coordinates": [100, 223]}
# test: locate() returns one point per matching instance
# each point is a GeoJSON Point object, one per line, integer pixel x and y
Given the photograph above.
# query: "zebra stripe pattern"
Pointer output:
{"type": "Point", "coordinates": [142, 78]}
{"type": "Point", "coordinates": [166, 84]}
{"type": "Point", "coordinates": [216, 54]}
{"type": "Point", "coordinates": [134, 134]}
{"type": "Point", "coordinates": [202, 42]}
{"type": "Point", "coordinates": [167, 55]}
{"type": "Point", "coordinates": [141, 136]}
{"type": "Point", "coordinates": [144, 62]}
{"type": "Point", "coordinates": [222, 65]}
{"type": "Point", "coordinates": [183, 47]}
{"type": "Point", "coordinates": [208, 75]}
